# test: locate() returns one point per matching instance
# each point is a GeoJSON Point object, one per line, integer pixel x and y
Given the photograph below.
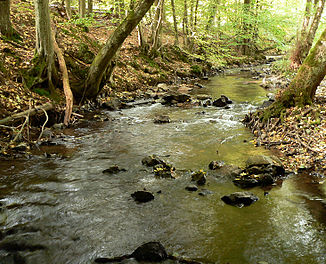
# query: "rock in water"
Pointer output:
{"type": "Point", "coordinates": [142, 196]}
{"type": "Point", "coordinates": [151, 161]}
{"type": "Point", "coordinates": [162, 119]}
{"type": "Point", "coordinates": [113, 169]}
{"type": "Point", "coordinates": [216, 164]}
{"type": "Point", "coordinates": [240, 199]}
{"type": "Point", "coordinates": [150, 252]}
{"type": "Point", "coordinates": [191, 188]}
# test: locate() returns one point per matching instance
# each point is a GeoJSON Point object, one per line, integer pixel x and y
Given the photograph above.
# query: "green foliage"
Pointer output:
{"type": "Point", "coordinates": [196, 69]}
{"type": "Point", "coordinates": [83, 22]}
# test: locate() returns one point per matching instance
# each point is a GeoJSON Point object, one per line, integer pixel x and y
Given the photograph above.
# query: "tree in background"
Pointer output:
{"type": "Point", "coordinates": [82, 8]}
{"type": "Point", "coordinates": [44, 59]}
{"type": "Point", "coordinates": [68, 8]}
{"type": "Point", "coordinates": [306, 37]}
{"type": "Point", "coordinates": [6, 28]}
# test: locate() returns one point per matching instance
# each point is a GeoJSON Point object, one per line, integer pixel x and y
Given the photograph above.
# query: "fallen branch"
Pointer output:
{"type": "Point", "coordinates": [65, 80]}
{"type": "Point", "coordinates": [30, 112]}
{"type": "Point", "coordinates": [46, 120]}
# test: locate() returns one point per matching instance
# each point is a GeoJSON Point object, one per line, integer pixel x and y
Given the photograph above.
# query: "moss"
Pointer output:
{"type": "Point", "coordinates": [196, 69]}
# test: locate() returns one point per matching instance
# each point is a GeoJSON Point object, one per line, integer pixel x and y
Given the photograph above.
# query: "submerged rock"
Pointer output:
{"type": "Point", "coordinates": [240, 199]}
{"type": "Point", "coordinates": [114, 169]}
{"type": "Point", "coordinates": [205, 192]}
{"type": "Point", "coordinates": [226, 171]}
{"type": "Point", "coordinates": [162, 119]}
{"type": "Point", "coordinates": [152, 160]}
{"type": "Point", "coordinates": [142, 196]}
{"type": "Point", "coordinates": [150, 252]}
{"type": "Point", "coordinates": [192, 188]}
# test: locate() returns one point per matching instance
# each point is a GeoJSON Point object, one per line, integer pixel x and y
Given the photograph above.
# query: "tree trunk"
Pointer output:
{"type": "Point", "coordinates": [196, 15]}
{"type": "Point", "coordinates": [5, 24]}
{"type": "Point", "coordinates": [312, 30]}
{"type": "Point", "coordinates": [302, 89]}
{"type": "Point", "coordinates": [44, 44]}
{"type": "Point", "coordinates": [82, 8]}
{"type": "Point", "coordinates": [176, 34]}
{"type": "Point", "coordinates": [89, 7]}
{"type": "Point", "coordinates": [212, 15]}
{"type": "Point", "coordinates": [68, 8]}
{"type": "Point", "coordinates": [246, 25]}
{"type": "Point", "coordinates": [296, 56]}
{"type": "Point", "coordinates": [97, 72]}
{"type": "Point", "coordinates": [157, 28]}
{"type": "Point", "coordinates": [185, 23]}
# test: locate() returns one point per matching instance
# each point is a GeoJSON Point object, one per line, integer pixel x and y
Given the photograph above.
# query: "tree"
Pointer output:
{"type": "Point", "coordinates": [89, 7]}
{"type": "Point", "coordinates": [82, 8]}
{"type": "Point", "coordinates": [310, 25]}
{"type": "Point", "coordinates": [6, 28]}
{"type": "Point", "coordinates": [68, 8]}
{"type": "Point", "coordinates": [175, 24]}
{"type": "Point", "coordinates": [44, 62]}
{"type": "Point", "coordinates": [101, 67]}
{"type": "Point", "coordinates": [302, 89]}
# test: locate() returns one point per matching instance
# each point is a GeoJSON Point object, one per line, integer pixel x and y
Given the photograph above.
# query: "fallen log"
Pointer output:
{"type": "Point", "coordinates": [30, 112]}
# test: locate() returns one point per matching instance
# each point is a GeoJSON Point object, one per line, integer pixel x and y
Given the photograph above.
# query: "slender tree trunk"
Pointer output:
{"type": "Point", "coordinates": [196, 15]}
{"type": "Point", "coordinates": [313, 28]}
{"type": "Point", "coordinates": [89, 7]}
{"type": "Point", "coordinates": [175, 25]}
{"type": "Point", "coordinates": [44, 44]}
{"type": "Point", "coordinates": [185, 23]}
{"type": "Point", "coordinates": [212, 15]}
{"type": "Point", "coordinates": [245, 49]}
{"type": "Point", "coordinates": [296, 56]}
{"type": "Point", "coordinates": [157, 27]}
{"type": "Point", "coordinates": [101, 65]}
{"type": "Point", "coordinates": [82, 8]}
{"type": "Point", "coordinates": [68, 8]}
{"type": "Point", "coordinates": [302, 89]}
{"type": "Point", "coordinates": [5, 24]}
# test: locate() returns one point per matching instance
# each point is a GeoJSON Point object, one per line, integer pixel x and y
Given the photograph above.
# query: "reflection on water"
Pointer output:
{"type": "Point", "coordinates": [65, 210]}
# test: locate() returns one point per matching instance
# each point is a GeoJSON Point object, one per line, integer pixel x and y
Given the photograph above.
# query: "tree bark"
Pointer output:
{"type": "Point", "coordinates": [157, 28]}
{"type": "Point", "coordinates": [185, 23]}
{"type": "Point", "coordinates": [302, 89]}
{"type": "Point", "coordinates": [68, 8]}
{"type": "Point", "coordinates": [82, 8]}
{"type": "Point", "coordinates": [97, 72]}
{"type": "Point", "coordinates": [175, 25]}
{"type": "Point", "coordinates": [5, 23]}
{"type": "Point", "coordinates": [89, 7]}
{"type": "Point", "coordinates": [44, 44]}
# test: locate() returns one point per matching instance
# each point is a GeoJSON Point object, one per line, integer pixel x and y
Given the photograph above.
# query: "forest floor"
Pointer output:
{"type": "Point", "coordinates": [301, 137]}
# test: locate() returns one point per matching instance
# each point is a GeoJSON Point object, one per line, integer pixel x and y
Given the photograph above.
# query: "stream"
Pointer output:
{"type": "Point", "coordinates": [63, 209]}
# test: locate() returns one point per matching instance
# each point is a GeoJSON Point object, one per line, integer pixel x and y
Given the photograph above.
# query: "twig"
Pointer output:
{"type": "Point", "coordinates": [9, 127]}
{"type": "Point", "coordinates": [46, 120]}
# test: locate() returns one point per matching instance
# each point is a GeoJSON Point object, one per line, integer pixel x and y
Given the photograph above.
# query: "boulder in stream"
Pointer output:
{"type": "Point", "coordinates": [152, 160]}
{"type": "Point", "coordinates": [150, 252]}
{"type": "Point", "coordinates": [162, 119]}
{"type": "Point", "coordinates": [142, 196]}
{"type": "Point", "coordinates": [240, 199]}
{"type": "Point", "coordinates": [176, 98]}
{"type": "Point", "coordinates": [192, 188]}
{"type": "Point", "coordinates": [216, 164]}
{"type": "Point", "coordinates": [199, 177]}
{"type": "Point", "coordinates": [260, 170]}
{"type": "Point", "coordinates": [114, 169]}
{"type": "Point", "coordinates": [222, 101]}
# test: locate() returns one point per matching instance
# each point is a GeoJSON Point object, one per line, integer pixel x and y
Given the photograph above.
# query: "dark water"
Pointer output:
{"type": "Point", "coordinates": [65, 210]}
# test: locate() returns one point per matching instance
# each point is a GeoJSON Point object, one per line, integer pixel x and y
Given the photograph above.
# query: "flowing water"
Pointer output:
{"type": "Point", "coordinates": [63, 209]}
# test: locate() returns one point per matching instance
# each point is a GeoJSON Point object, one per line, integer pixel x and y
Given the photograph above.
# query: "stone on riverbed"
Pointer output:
{"type": "Point", "coordinates": [152, 160]}
{"type": "Point", "coordinates": [173, 99]}
{"type": "Point", "coordinates": [260, 170]}
{"type": "Point", "coordinates": [114, 169]}
{"type": "Point", "coordinates": [142, 196]}
{"type": "Point", "coordinates": [162, 119]}
{"type": "Point", "coordinates": [240, 199]}
{"type": "Point", "coordinates": [222, 101]}
{"type": "Point", "coordinates": [199, 177]}
{"type": "Point", "coordinates": [192, 188]}
{"type": "Point", "coordinates": [216, 164]}
{"type": "Point", "coordinates": [150, 252]}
